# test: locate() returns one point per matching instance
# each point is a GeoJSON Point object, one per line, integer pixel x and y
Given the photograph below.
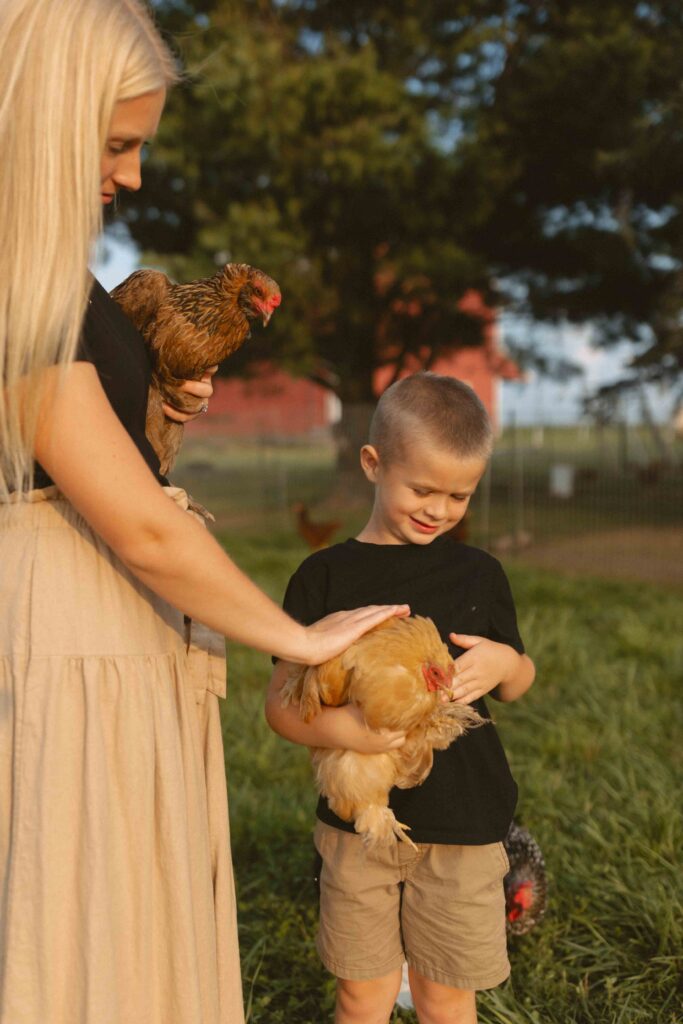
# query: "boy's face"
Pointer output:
{"type": "Point", "coordinates": [420, 496]}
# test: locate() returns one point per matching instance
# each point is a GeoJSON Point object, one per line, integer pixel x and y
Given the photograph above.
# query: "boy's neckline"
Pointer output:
{"type": "Point", "coordinates": [396, 547]}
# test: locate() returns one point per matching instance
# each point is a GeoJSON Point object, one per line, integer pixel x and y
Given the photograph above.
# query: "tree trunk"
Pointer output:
{"type": "Point", "coordinates": [351, 433]}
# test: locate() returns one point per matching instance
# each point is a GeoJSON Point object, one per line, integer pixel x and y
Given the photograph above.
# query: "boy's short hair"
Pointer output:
{"type": "Point", "coordinates": [444, 410]}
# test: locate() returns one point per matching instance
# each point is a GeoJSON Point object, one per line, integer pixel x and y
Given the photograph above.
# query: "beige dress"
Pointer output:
{"type": "Point", "coordinates": [116, 890]}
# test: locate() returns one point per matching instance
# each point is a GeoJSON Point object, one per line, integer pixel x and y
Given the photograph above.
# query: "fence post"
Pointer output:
{"type": "Point", "coordinates": [519, 487]}
{"type": "Point", "coordinates": [622, 440]}
{"type": "Point", "coordinates": [517, 480]}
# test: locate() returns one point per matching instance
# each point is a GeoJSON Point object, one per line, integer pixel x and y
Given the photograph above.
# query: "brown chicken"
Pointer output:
{"type": "Point", "coordinates": [316, 535]}
{"type": "Point", "coordinates": [395, 674]}
{"type": "Point", "coordinates": [187, 328]}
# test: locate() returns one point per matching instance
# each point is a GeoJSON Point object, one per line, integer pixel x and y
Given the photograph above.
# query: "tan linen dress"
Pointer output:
{"type": "Point", "coordinates": [116, 890]}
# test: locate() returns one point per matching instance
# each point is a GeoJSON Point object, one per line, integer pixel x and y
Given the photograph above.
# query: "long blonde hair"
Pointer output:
{"type": "Point", "coordinates": [64, 64]}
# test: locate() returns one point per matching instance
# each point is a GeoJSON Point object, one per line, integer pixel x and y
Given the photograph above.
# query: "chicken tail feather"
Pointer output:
{"type": "Point", "coordinates": [291, 689]}
{"type": "Point", "coordinates": [309, 703]}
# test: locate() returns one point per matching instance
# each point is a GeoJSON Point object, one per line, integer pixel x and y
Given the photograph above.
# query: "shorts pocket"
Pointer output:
{"type": "Point", "coordinates": [503, 857]}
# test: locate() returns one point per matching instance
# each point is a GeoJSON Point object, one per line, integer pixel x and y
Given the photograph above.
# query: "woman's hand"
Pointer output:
{"type": "Point", "coordinates": [333, 634]}
{"type": "Point", "coordinates": [201, 389]}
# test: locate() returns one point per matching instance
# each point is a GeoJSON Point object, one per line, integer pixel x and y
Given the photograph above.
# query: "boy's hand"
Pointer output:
{"type": "Point", "coordinates": [370, 741]}
{"type": "Point", "coordinates": [339, 728]}
{"type": "Point", "coordinates": [484, 665]}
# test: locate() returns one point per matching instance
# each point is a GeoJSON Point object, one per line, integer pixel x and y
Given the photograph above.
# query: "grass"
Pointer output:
{"type": "Point", "coordinates": [593, 746]}
{"type": "Point", "coordinates": [596, 751]}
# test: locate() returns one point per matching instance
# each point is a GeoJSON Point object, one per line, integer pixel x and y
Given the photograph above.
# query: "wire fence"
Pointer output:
{"type": "Point", "coordinates": [546, 482]}
{"type": "Point", "coordinates": [615, 492]}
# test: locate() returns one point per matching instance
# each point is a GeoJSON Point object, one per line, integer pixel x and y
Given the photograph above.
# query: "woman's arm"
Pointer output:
{"type": "Point", "coordinates": [86, 451]}
{"type": "Point", "coordinates": [339, 728]}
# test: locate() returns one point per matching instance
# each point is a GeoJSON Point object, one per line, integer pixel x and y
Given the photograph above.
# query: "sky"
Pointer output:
{"type": "Point", "coordinates": [541, 400]}
{"type": "Point", "coordinates": [538, 400]}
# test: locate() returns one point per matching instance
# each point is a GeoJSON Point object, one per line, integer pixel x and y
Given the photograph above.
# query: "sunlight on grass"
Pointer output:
{"type": "Point", "coordinates": [594, 749]}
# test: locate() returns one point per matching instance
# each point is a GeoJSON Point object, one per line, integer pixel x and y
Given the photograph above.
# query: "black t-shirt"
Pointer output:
{"type": "Point", "coordinates": [469, 796]}
{"type": "Point", "coordinates": [117, 351]}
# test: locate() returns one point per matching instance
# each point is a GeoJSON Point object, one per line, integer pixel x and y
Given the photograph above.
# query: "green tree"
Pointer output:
{"type": "Point", "coordinates": [567, 120]}
{"type": "Point", "coordinates": [433, 146]}
{"type": "Point", "coordinates": [321, 162]}
{"type": "Point", "coordinates": [579, 151]}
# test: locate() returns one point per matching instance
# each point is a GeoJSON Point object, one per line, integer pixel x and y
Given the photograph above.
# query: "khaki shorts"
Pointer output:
{"type": "Point", "coordinates": [441, 908]}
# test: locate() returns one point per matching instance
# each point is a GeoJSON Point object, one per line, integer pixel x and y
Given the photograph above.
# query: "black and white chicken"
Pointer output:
{"type": "Point", "coordinates": [526, 886]}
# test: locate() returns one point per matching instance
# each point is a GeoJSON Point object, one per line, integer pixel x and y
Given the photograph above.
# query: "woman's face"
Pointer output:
{"type": "Point", "coordinates": [133, 123]}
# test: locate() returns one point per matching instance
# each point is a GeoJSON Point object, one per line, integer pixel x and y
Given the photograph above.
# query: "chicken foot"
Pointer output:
{"type": "Point", "coordinates": [378, 826]}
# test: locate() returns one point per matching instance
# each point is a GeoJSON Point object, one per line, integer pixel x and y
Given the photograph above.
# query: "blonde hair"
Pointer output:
{"type": "Point", "coordinates": [64, 64]}
{"type": "Point", "coordinates": [441, 410]}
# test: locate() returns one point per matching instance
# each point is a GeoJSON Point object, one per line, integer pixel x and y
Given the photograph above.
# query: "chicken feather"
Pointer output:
{"type": "Point", "coordinates": [188, 328]}
{"type": "Point", "coordinates": [394, 674]}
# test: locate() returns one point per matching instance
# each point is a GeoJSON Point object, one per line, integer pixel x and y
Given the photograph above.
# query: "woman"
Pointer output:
{"type": "Point", "coordinates": [116, 892]}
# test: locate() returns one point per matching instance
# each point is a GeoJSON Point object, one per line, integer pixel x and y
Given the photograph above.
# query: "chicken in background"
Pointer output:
{"type": "Point", "coordinates": [526, 885]}
{"type": "Point", "coordinates": [399, 675]}
{"type": "Point", "coordinates": [188, 328]}
{"type": "Point", "coordinates": [316, 535]}
{"type": "Point", "coordinates": [525, 893]}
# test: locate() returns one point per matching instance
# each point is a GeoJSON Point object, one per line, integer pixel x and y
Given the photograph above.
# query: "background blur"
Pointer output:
{"type": "Point", "coordinates": [492, 190]}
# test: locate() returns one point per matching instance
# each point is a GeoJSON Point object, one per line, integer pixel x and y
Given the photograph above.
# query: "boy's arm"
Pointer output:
{"type": "Point", "coordinates": [490, 667]}
{"type": "Point", "coordinates": [339, 728]}
{"type": "Point", "coordinates": [520, 680]}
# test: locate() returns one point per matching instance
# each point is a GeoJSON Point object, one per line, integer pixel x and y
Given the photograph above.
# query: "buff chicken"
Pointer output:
{"type": "Point", "coordinates": [187, 328]}
{"type": "Point", "coordinates": [317, 535]}
{"type": "Point", "coordinates": [397, 675]}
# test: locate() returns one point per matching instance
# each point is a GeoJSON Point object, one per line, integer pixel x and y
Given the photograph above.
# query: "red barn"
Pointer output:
{"type": "Point", "coordinates": [481, 366]}
{"type": "Point", "coordinates": [271, 403]}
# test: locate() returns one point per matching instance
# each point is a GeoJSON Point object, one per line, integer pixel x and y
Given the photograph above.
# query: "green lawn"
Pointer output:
{"type": "Point", "coordinates": [595, 748]}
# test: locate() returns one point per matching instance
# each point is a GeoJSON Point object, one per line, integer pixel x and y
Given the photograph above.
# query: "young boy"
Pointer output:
{"type": "Point", "coordinates": [440, 907]}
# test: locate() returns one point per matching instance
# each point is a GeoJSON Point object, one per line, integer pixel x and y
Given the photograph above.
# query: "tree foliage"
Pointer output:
{"type": "Point", "coordinates": [532, 150]}
{"type": "Point", "coordinates": [579, 148]}
{"type": "Point", "coordinates": [318, 160]}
